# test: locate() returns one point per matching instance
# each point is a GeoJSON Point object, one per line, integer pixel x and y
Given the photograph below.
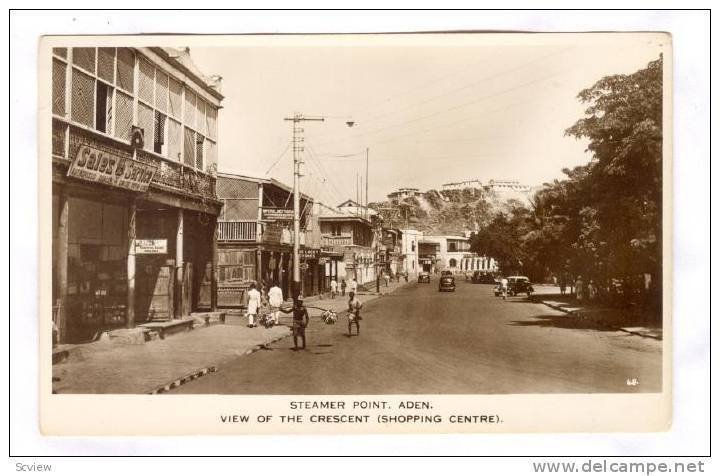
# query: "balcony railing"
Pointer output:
{"type": "Point", "coordinates": [332, 241]}
{"type": "Point", "coordinates": [237, 231]}
{"type": "Point", "coordinates": [169, 174]}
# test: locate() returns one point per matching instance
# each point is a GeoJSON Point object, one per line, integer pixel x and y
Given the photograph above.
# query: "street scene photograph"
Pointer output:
{"type": "Point", "coordinates": [406, 214]}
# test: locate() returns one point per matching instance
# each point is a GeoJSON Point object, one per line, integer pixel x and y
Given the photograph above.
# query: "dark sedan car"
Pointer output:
{"type": "Point", "coordinates": [424, 277]}
{"type": "Point", "coordinates": [447, 283]}
{"type": "Point", "coordinates": [517, 285]}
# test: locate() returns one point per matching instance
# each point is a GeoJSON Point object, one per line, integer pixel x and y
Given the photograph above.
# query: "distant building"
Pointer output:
{"type": "Point", "coordinates": [507, 186]}
{"type": "Point", "coordinates": [462, 185]}
{"type": "Point", "coordinates": [405, 192]}
{"type": "Point", "coordinates": [351, 207]}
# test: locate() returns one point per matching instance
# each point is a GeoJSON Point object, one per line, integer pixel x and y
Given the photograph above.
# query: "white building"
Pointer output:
{"type": "Point", "coordinates": [351, 207]}
{"type": "Point", "coordinates": [409, 250]}
{"type": "Point", "coordinates": [507, 186]}
{"type": "Point", "coordinates": [462, 185]}
{"type": "Point", "coordinates": [405, 192]}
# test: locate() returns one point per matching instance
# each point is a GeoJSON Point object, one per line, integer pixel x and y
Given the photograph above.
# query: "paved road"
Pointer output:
{"type": "Point", "coordinates": [420, 341]}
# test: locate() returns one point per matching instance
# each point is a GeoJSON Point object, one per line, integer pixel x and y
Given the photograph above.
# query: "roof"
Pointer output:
{"type": "Point", "coordinates": [263, 180]}
{"type": "Point", "coordinates": [181, 58]}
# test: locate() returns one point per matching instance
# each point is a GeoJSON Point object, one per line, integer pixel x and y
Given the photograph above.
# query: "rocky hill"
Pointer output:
{"type": "Point", "coordinates": [446, 212]}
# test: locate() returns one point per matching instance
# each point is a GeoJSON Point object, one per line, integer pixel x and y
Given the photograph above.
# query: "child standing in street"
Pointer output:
{"type": "Point", "coordinates": [253, 305]}
{"type": "Point", "coordinates": [301, 320]}
{"type": "Point", "coordinates": [343, 286]}
{"type": "Point", "coordinates": [333, 288]}
{"type": "Point", "coordinates": [354, 306]}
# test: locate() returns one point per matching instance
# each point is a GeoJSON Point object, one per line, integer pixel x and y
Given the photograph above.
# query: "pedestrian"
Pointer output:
{"type": "Point", "coordinates": [397, 276]}
{"type": "Point", "coordinates": [563, 284]}
{"type": "Point", "coordinates": [592, 291]}
{"type": "Point", "coordinates": [579, 289]}
{"type": "Point", "coordinates": [301, 320]}
{"type": "Point", "coordinates": [353, 285]}
{"type": "Point", "coordinates": [343, 286]}
{"type": "Point", "coordinates": [406, 276]}
{"type": "Point", "coordinates": [354, 306]}
{"type": "Point", "coordinates": [386, 277]}
{"type": "Point", "coordinates": [504, 287]}
{"type": "Point", "coordinates": [253, 304]}
{"type": "Point", "coordinates": [275, 299]}
{"type": "Point", "coordinates": [333, 288]}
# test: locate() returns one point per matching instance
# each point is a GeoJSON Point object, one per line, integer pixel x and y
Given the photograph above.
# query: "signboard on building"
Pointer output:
{"type": "Point", "coordinates": [111, 169]}
{"type": "Point", "coordinates": [151, 247]}
{"type": "Point", "coordinates": [277, 214]}
{"type": "Point", "coordinates": [272, 233]}
{"type": "Point", "coordinates": [309, 253]}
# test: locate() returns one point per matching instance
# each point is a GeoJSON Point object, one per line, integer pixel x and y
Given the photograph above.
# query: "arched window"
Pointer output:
{"type": "Point", "coordinates": [453, 262]}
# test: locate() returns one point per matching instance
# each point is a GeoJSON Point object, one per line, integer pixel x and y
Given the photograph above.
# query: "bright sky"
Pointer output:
{"type": "Point", "coordinates": [429, 113]}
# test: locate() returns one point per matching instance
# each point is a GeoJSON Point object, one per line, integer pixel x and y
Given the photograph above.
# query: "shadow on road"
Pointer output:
{"type": "Point", "coordinates": [563, 322]}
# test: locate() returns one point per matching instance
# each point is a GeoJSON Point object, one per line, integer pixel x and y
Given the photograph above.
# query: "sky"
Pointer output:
{"type": "Point", "coordinates": [426, 112]}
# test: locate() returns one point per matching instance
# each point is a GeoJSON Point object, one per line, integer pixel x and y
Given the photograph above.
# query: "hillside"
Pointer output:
{"type": "Point", "coordinates": [449, 212]}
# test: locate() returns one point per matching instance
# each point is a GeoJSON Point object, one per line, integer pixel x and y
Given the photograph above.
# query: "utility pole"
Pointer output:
{"type": "Point", "coordinates": [297, 140]}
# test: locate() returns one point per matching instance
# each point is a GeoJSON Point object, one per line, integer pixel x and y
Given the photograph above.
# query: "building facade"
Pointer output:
{"type": "Point", "coordinates": [348, 241]}
{"type": "Point", "coordinates": [462, 185]}
{"type": "Point", "coordinates": [405, 192]}
{"type": "Point", "coordinates": [409, 250]}
{"type": "Point", "coordinates": [134, 153]}
{"type": "Point", "coordinates": [255, 238]}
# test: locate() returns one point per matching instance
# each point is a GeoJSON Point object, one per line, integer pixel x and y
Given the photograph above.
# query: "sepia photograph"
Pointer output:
{"type": "Point", "coordinates": [447, 214]}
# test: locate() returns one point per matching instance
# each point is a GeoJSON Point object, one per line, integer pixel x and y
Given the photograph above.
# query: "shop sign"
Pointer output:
{"type": "Point", "coordinates": [151, 247]}
{"type": "Point", "coordinates": [277, 214]}
{"type": "Point", "coordinates": [309, 253]}
{"type": "Point", "coordinates": [272, 233]}
{"type": "Point", "coordinates": [107, 168]}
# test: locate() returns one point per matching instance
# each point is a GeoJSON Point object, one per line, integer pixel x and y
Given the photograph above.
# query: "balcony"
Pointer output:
{"type": "Point", "coordinates": [237, 231]}
{"type": "Point", "coordinates": [170, 175]}
{"type": "Point", "coordinates": [332, 241]}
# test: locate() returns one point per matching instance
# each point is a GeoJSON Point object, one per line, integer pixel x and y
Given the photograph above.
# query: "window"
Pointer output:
{"type": "Point", "coordinates": [126, 69]}
{"type": "Point", "coordinates": [452, 246]}
{"type": "Point", "coordinates": [146, 121]}
{"type": "Point", "coordinates": [58, 87]}
{"type": "Point", "coordinates": [413, 245]}
{"type": "Point", "coordinates": [335, 229]}
{"type": "Point", "coordinates": [103, 111]}
{"type": "Point", "coordinates": [123, 115]}
{"type": "Point", "coordinates": [189, 147]}
{"type": "Point", "coordinates": [159, 134]}
{"type": "Point", "coordinates": [199, 149]}
{"type": "Point", "coordinates": [84, 58]}
{"type": "Point", "coordinates": [174, 140]}
{"type": "Point", "coordinates": [83, 98]}
{"type": "Point", "coordinates": [453, 263]}
{"type": "Point", "coordinates": [106, 64]}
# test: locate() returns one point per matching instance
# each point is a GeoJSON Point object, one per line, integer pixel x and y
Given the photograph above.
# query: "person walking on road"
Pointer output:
{"type": "Point", "coordinates": [504, 287]}
{"type": "Point", "coordinates": [275, 299]}
{"type": "Point", "coordinates": [343, 286]}
{"type": "Point", "coordinates": [386, 277]}
{"type": "Point", "coordinates": [563, 284]}
{"type": "Point", "coordinates": [579, 289]}
{"type": "Point", "coordinates": [301, 320]}
{"type": "Point", "coordinates": [333, 288]}
{"type": "Point", "coordinates": [353, 286]}
{"type": "Point", "coordinates": [354, 306]}
{"type": "Point", "coordinates": [253, 305]}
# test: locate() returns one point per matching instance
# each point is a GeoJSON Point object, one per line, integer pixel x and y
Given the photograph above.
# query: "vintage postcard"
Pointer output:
{"type": "Point", "coordinates": [378, 233]}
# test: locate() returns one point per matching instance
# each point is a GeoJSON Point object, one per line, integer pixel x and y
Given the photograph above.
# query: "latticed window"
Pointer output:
{"type": "Point", "coordinates": [123, 115]}
{"type": "Point", "coordinates": [159, 133]}
{"type": "Point", "coordinates": [161, 91]}
{"type": "Point", "coordinates": [146, 123]}
{"type": "Point", "coordinates": [61, 52]}
{"type": "Point", "coordinates": [189, 147]}
{"type": "Point", "coordinates": [211, 122]}
{"type": "Point", "coordinates": [146, 81]}
{"type": "Point", "coordinates": [210, 156]}
{"type": "Point", "coordinates": [189, 108]}
{"type": "Point", "coordinates": [83, 98]}
{"type": "Point", "coordinates": [106, 64]}
{"type": "Point", "coordinates": [175, 99]}
{"type": "Point", "coordinates": [200, 117]}
{"type": "Point", "coordinates": [84, 58]}
{"type": "Point", "coordinates": [58, 85]}
{"type": "Point", "coordinates": [174, 140]}
{"type": "Point", "coordinates": [126, 69]}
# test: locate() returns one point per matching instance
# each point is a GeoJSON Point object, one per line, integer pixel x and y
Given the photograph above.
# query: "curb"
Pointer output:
{"type": "Point", "coordinates": [580, 316]}
{"type": "Point", "coordinates": [183, 380]}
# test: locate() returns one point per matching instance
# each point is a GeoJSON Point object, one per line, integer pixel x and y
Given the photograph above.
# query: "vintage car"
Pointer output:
{"type": "Point", "coordinates": [479, 277]}
{"type": "Point", "coordinates": [516, 285]}
{"type": "Point", "coordinates": [424, 277]}
{"type": "Point", "coordinates": [447, 283]}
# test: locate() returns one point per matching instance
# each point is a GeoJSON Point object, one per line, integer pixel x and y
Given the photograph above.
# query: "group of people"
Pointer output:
{"type": "Point", "coordinates": [301, 319]}
{"type": "Point", "coordinates": [343, 287]}
{"type": "Point", "coordinates": [578, 287]}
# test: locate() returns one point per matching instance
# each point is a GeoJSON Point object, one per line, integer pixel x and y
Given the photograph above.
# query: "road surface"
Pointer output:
{"type": "Point", "coordinates": [420, 341]}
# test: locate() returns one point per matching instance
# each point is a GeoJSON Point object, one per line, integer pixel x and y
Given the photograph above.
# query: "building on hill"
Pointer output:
{"type": "Point", "coordinates": [462, 185]}
{"type": "Point", "coordinates": [507, 186]}
{"type": "Point", "coordinates": [405, 192]}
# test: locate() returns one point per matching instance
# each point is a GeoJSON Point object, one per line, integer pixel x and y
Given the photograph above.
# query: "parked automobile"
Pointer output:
{"type": "Point", "coordinates": [516, 285]}
{"type": "Point", "coordinates": [424, 277]}
{"type": "Point", "coordinates": [482, 278]}
{"type": "Point", "coordinates": [446, 273]}
{"type": "Point", "coordinates": [447, 283]}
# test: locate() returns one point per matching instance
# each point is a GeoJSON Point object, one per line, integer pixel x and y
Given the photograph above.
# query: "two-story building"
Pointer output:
{"type": "Point", "coordinates": [347, 241]}
{"type": "Point", "coordinates": [255, 238]}
{"type": "Point", "coordinates": [134, 153]}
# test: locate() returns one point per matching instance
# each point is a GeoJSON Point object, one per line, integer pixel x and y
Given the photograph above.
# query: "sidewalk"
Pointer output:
{"type": "Point", "coordinates": [158, 365]}
{"type": "Point", "coordinates": [617, 319]}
